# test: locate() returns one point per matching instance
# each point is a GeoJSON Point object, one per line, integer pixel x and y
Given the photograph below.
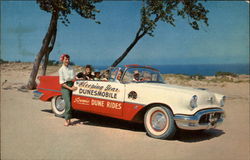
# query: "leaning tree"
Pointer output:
{"type": "Point", "coordinates": [153, 11]}
{"type": "Point", "coordinates": [59, 10]}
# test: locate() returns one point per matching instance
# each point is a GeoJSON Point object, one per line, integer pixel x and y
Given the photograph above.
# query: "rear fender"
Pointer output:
{"type": "Point", "coordinates": [49, 86]}
{"type": "Point", "coordinates": [48, 95]}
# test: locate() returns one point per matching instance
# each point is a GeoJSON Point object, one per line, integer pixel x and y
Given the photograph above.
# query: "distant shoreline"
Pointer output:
{"type": "Point", "coordinates": [197, 80]}
{"type": "Point", "coordinates": [194, 69]}
{"type": "Point", "coordinates": [187, 69]}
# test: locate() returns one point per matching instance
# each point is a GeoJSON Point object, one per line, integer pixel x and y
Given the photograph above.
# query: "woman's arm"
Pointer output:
{"type": "Point", "coordinates": [73, 88]}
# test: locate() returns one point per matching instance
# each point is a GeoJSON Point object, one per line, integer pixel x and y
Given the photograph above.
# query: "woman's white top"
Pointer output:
{"type": "Point", "coordinates": [66, 74]}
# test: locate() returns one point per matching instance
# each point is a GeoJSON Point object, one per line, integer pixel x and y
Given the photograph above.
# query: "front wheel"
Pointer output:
{"type": "Point", "coordinates": [58, 105]}
{"type": "Point", "coordinates": [159, 122]}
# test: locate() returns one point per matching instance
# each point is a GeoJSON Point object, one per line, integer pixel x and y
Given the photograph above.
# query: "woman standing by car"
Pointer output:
{"type": "Point", "coordinates": [66, 75]}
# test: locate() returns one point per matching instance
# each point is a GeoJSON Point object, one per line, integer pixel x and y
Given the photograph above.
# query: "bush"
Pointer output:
{"type": "Point", "coordinates": [52, 63]}
{"type": "Point", "coordinates": [197, 77]}
{"type": "Point", "coordinates": [224, 74]}
{"type": "Point", "coordinates": [3, 61]}
{"type": "Point", "coordinates": [72, 63]}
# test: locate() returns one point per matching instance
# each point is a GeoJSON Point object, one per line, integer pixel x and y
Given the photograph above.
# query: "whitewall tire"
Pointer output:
{"type": "Point", "coordinates": [159, 122]}
{"type": "Point", "coordinates": [58, 105]}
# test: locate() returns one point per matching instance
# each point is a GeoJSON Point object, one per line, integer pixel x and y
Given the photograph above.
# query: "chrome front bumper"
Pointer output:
{"type": "Point", "coordinates": [37, 94]}
{"type": "Point", "coordinates": [204, 119]}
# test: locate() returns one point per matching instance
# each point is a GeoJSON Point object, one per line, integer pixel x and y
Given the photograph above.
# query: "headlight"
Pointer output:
{"type": "Point", "coordinates": [193, 102]}
{"type": "Point", "coordinates": [222, 101]}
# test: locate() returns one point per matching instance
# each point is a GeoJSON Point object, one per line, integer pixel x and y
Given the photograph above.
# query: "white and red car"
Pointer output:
{"type": "Point", "coordinates": [140, 95]}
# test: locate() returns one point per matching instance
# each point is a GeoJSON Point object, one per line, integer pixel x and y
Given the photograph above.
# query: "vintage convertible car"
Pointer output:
{"type": "Point", "coordinates": [139, 94]}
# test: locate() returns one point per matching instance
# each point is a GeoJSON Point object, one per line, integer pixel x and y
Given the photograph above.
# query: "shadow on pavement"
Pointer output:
{"type": "Point", "coordinates": [84, 118]}
{"type": "Point", "coordinates": [197, 136]}
{"type": "Point", "coordinates": [47, 110]}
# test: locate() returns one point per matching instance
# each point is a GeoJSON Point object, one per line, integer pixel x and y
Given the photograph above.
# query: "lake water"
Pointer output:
{"type": "Point", "coordinates": [204, 69]}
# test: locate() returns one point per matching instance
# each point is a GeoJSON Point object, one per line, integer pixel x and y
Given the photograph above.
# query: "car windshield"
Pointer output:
{"type": "Point", "coordinates": [112, 74]}
{"type": "Point", "coordinates": [142, 75]}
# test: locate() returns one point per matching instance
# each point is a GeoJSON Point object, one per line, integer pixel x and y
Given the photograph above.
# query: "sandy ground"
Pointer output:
{"type": "Point", "coordinates": [30, 131]}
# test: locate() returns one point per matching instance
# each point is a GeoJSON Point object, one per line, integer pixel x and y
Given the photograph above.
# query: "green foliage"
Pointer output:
{"type": "Point", "coordinates": [178, 76]}
{"type": "Point", "coordinates": [197, 77]}
{"type": "Point", "coordinates": [165, 10]}
{"type": "Point", "coordinates": [224, 74]}
{"type": "Point", "coordinates": [3, 61]}
{"type": "Point", "coordinates": [85, 8]}
{"type": "Point", "coordinates": [18, 61]}
{"type": "Point", "coordinates": [72, 63]}
{"type": "Point", "coordinates": [55, 63]}
{"type": "Point", "coordinates": [52, 63]}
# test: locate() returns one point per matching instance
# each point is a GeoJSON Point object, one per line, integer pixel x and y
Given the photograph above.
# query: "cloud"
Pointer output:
{"type": "Point", "coordinates": [20, 29]}
{"type": "Point", "coordinates": [25, 52]}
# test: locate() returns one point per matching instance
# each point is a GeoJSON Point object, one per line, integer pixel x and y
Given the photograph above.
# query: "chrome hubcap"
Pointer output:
{"type": "Point", "coordinates": [60, 104]}
{"type": "Point", "coordinates": [158, 121]}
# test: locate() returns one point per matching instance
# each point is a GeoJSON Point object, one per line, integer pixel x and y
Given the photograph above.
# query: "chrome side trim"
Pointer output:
{"type": "Point", "coordinates": [37, 95]}
{"type": "Point", "coordinates": [49, 89]}
{"type": "Point", "coordinates": [192, 122]}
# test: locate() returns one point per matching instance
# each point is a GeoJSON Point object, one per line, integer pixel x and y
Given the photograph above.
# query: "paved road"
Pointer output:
{"type": "Point", "coordinates": [30, 131]}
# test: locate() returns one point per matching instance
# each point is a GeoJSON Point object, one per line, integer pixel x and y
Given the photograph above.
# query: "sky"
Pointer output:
{"type": "Point", "coordinates": [224, 41]}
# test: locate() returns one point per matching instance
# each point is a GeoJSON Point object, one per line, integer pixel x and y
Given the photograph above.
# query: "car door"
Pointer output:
{"type": "Point", "coordinates": [109, 100]}
{"type": "Point", "coordinates": [101, 97]}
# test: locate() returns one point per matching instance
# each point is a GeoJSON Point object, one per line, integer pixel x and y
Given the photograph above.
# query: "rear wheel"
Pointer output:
{"type": "Point", "coordinates": [159, 122]}
{"type": "Point", "coordinates": [58, 105]}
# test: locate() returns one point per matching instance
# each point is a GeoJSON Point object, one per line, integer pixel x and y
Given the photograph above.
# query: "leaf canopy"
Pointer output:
{"type": "Point", "coordinates": [166, 10]}
{"type": "Point", "coordinates": [85, 8]}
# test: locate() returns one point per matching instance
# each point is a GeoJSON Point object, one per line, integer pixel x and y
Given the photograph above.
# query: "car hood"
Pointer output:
{"type": "Point", "coordinates": [204, 95]}
{"type": "Point", "coordinates": [164, 86]}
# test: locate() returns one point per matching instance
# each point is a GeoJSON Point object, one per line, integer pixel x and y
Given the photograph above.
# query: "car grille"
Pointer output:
{"type": "Point", "coordinates": [210, 118]}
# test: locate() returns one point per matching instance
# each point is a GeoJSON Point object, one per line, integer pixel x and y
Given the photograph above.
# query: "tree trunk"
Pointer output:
{"type": "Point", "coordinates": [45, 63]}
{"type": "Point", "coordinates": [44, 50]}
{"type": "Point", "coordinates": [138, 36]}
{"type": "Point", "coordinates": [46, 56]}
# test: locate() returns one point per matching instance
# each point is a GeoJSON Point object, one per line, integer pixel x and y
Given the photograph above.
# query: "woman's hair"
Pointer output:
{"type": "Point", "coordinates": [88, 66]}
{"type": "Point", "coordinates": [64, 55]}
